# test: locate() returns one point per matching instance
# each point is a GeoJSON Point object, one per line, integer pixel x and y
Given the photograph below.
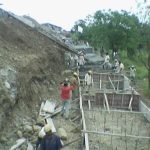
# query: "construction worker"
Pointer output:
{"type": "Point", "coordinates": [121, 67]}
{"type": "Point", "coordinates": [66, 98]}
{"type": "Point", "coordinates": [132, 74]}
{"type": "Point", "coordinates": [50, 141]}
{"type": "Point", "coordinates": [106, 64]}
{"type": "Point", "coordinates": [88, 81]}
{"type": "Point", "coordinates": [116, 66]}
{"type": "Point", "coordinates": [75, 82]}
{"type": "Point", "coordinates": [81, 60]}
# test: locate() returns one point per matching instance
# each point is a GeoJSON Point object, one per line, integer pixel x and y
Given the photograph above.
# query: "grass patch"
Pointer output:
{"type": "Point", "coordinates": [144, 85]}
{"type": "Point", "coordinates": [141, 71]}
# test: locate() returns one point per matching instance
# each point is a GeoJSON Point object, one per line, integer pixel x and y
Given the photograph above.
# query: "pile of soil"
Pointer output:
{"type": "Point", "coordinates": [38, 63]}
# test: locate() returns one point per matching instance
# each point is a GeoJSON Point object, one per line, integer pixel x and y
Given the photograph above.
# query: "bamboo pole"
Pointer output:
{"type": "Point", "coordinates": [106, 100]}
{"type": "Point", "coordinates": [89, 104]}
{"type": "Point", "coordinates": [130, 103]}
{"type": "Point", "coordinates": [121, 111]}
{"type": "Point", "coordinates": [111, 82]}
{"type": "Point", "coordinates": [113, 134]}
{"type": "Point", "coordinates": [83, 121]}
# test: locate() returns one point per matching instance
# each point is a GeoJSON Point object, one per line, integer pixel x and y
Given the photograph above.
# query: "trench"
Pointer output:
{"type": "Point", "coordinates": [113, 113]}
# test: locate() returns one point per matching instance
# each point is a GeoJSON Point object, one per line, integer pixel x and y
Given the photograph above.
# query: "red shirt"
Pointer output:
{"type": "Point", "coordinates": [65, 92]}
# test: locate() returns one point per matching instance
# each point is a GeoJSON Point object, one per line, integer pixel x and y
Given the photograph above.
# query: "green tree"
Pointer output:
{"type": "Point", "coordinates": [144, 15]}
{"type": "Point", "coordinates": [113, 30]}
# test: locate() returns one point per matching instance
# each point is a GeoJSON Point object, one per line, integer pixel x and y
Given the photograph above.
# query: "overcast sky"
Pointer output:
{"type": "Point", "coordinates": [63, 13]}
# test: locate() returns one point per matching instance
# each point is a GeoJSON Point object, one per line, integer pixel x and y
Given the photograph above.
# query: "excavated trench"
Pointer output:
{"type": "Point", "coordinates": [112, 115]}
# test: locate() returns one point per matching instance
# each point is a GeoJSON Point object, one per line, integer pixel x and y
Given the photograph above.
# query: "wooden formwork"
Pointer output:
{"type": "Point", "coordinates": [108, 81]}
{"type": "Point", "coordinates": [115, 100]}
{"type": "Point", "coordinates": [106, 128]}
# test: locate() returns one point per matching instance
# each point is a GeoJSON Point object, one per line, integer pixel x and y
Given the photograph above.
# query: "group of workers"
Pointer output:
{"type": "Point", "coordinates": [69, 90]}
{"type": "Point", "coordinates": [77, 60]}
{"type": "Point", "coordinates": [47, 140]}
{"type": "Point", "coordinates": [118, 66]}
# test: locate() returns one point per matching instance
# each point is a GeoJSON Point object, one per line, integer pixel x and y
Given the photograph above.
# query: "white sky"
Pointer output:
{"type": "Point", "coordinates": [63, 13]}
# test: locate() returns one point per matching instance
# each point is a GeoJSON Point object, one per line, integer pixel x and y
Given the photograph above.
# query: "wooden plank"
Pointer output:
{"type": "Point", "coordinates": [83, 121]}
{"type": "Point", "coordinates": [111, 82]}
{"type": "Point", "coordinates": [113, 134]}
{"type": "Point", "coordinates": [106, 100]}
{"type": "Point", "coordinates": [130, 103]}
{"type": "Point", "coordinates": [100, 82]}
{"type": "Point", "coordinates": [41, 113]}
{"type": "Point", "coordinates": [58, 110]}
{"type": "Point", "coordinates": [19, 142]}
{"type": "Point", "coordinates": [89, 104]}
{"type": "Point", "coordinates": [73, 141]}
{"type": "Point", "coordinates": [119, 111]}
{"type": "Point", "coordinates": [118, 84]}
{"type": "Point", "coordinates": [49, 106]}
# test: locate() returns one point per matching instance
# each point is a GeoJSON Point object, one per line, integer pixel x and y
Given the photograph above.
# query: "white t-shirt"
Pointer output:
{"type": "Point", "coordinates": [88, 79]}
{"type": "Point", "coordinates": [107, 58]}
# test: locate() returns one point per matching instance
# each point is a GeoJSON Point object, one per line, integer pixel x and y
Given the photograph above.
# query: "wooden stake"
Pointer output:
{"type": "Point", "coordinates": [106, 100]}
{"type": "Point", "coordinates": [113, 100]}
{"type": "Point", "coordinates": [111, 82]}
{"type": "Point", "coordinates": [131, 99]}
{"type": "Point", "coordinates": [89, 104]}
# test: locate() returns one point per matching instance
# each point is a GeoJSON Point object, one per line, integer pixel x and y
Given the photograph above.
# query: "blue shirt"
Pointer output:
{"type": "Point", "coordinates": [51, 142]}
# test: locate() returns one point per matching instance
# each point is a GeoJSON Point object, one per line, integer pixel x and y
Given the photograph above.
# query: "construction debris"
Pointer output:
{"type": "Point", "coordinates": [49, 106]}
{"type": "Point", "coordinates": [19, 142]}
{"type": "Point", "coordinates": [62, 133]}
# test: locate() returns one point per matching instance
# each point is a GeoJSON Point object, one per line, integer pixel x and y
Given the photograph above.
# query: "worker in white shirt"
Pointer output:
{"type": "Point", "coordinates": [88, 81]}
{"type": "Point", "coordinates": [81, 59]}
{"type": "Point", "coordinates": [132, 74]}
{"type": "Point", "coordinates": [106, 64]}
{"type": "Point", "coordinates": [121, 67]}
{"type": "Point", "coordinates": [116, 66]}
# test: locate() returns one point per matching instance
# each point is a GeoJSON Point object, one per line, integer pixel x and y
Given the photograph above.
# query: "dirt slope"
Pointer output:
{"type": "Point", "coordinates": [34, 64]}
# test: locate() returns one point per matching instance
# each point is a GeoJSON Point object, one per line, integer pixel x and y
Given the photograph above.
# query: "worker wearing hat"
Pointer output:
{"type": "Point", "coordinates": [81, 59]}
{"type": "Point", "coordinates": [132, 74]}
{"type": "Point", "coordinates": [50, 141]}
{"type": "Point", "coordinates": [74, 81]}
{"type": "Point", "coordinates": [66, 98]}
{"type": "Point", "coordinates": [39, 140]}
{"type": "Point", "coordinates": [88, 80]}
{"type": "Point", "coordinates": [116, 66]}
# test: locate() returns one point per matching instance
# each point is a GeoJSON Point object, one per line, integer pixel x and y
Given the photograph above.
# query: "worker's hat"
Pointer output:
{"type": "Point", "coordinates": [75, 74]}
{"type": "Point", "coordinates": [66, 79]}
{"type": "Point", "coordinates": [90, 71]}
{"type": "Point", "coordinates": [132, 66]}
{"type": "Point", "coordinates": [47, 128]}
{"type": "Point", "coordinates": [41, 134]}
